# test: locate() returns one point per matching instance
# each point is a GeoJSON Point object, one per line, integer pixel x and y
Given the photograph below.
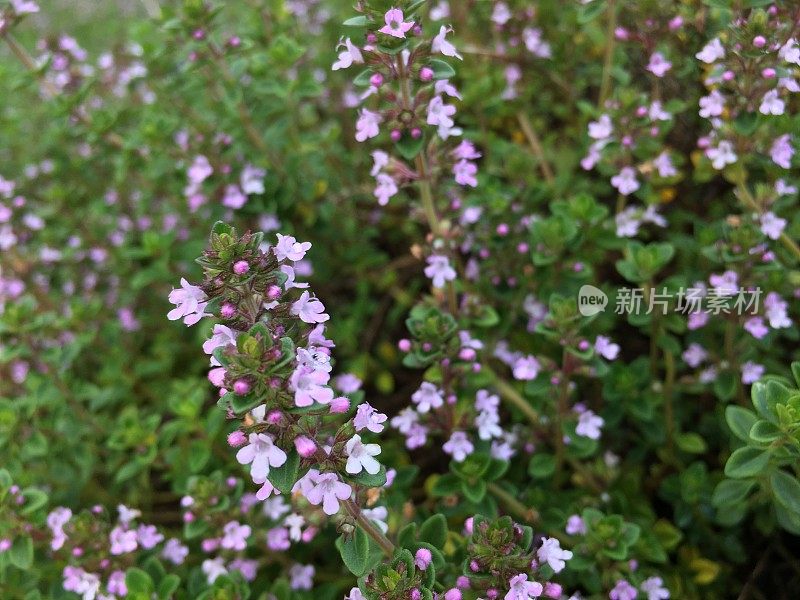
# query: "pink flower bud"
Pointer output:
{"type": "Point", "coordinates": [416, 594]}
{"type": "Point", "coordinates": [236, 439]}
{"type": "Point", "coordinates": [77, 551]}
{"type": "Point", "coordinates": [404, 345]}
{"type": "Point", "coordinates": [274, 417]}
{"type": "Point", "coordinates": [502, 229]}
{"type": "Point", "coordinates": [522, 248]}
{"type": "Point", "coordinates": [452, 594]}
{"type": "Point", "coordinates": [759, 41]}
{"type": "Point", "coordinates": [339, 405]}
{"type": "Point", "coordinates": [426, 74]}
{"type": "Point", "coordinates": [552, 590]}
{"type": "Point", "coordinates": [641, 111]}
{"type": "Point", "coordinates": [227, 310]}
{"type": "Point", "coordinates": [198, 34]}
{"type": "Point", "coordinates": [463, 582]}
{"type": "Point", "coordinates": [241, 267]}
{"type": "Point", "coordinates": [427, 347]}
{"type": "Point", "coordinates": [491, 593]}
{"type": "Point", "coordinates": [621, 33]}
{"type": "Point", "coordinates": [187, 501]}
{"type": "Point", "coordinates": [467, 354]}
{"type": "Point", "coordinates": [273, 292]}
{"type": "Point", "coordinates": [423, 558]}
{"type": "Point", "coordinates": [416, 133]}
{"type": "Point", "coordinates": [376, 80]}
{"type": "Point", "coordinates": [309, 534]}
{"type": "Point", "coordinates": [768, 73]}
{"type": "Point", "coordinates": [234, 41]}
{"type": "Point", "coordinates": [241, 387]}
{"type": "Point", "coordinates": [188, 517]}
{"type": "Point", "coordinates": [728, 75]}
{"type": "Point", "coordinates": [468, 526]}
{"type": "Point", "coordinates": [676, 23]}
{"type": "Point", "coordinates": [5, 544]}
{"type": "Point", "coordinates": [209, 544]}
{"type": "Point", "coordinates": [305, 446]}
{"type": "Point", "coordinates": [396, 135]}
{"type": "Point", "coordinates": [583, 345]}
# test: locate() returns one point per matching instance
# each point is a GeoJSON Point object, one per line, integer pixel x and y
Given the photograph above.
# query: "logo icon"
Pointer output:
{"type": "Point", "coordinates": [591, 300]}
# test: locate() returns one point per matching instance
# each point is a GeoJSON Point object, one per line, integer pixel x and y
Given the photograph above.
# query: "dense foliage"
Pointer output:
{"type": "Point", "coordinates": [499, 300]}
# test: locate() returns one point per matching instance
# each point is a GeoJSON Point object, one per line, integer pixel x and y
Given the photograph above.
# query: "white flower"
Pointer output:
{"type": "Point", "coordinates": [350, 55]}
{"type": "Point", "coordinates": [589, 425]}
{"type": "Point", "coordinates": [458, 446]}
{"type": "Point", "coordinates": [625, 181]}
{"type": "Point", "coordinates": [426, 397]}
{"type": "Point", "coordinates": [771, 104]}
{"type": "Point", "coordinates": [711, 52]}
{"type": "Point", "coordinates": [213, 568]}
{"type": "Point", "coordinates": [440, 44]}
{"type": "Point", "coordinates": [360, 455]}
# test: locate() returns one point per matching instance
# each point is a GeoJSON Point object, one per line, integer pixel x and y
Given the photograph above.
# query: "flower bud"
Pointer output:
{"type": "Point", "coordinates": [552, 590]}
{"type": "Point", "coordinates": [423, 558]}
{"type": "Point", "coordinates": [236, 438]}
{"type": "Point", "coordinates": [227, 310]}
{"type": "Point", "coordinates": [274, 417]}
{"type": "Point", "coordinates": [209, 544]}
{"type": "Point", "coordinates": [468, 525]}
{"type": "Point", "coordinates": [305, 446]}
{"type": "Point", "coordinates": [416, 594]}
{"type": "Point", "coordinates": [241, 387]}
{"type": "Point", "coordinates": [467, 354]}
{"type": "Point", "coordinates": [339, 405]}
{"type": "Point", "coordinates": [768, 73]}
{"type": "Point", "coordinates": [416, 133]}
{"type": "Point", "coordinates": [404, 345]}
{"type": "Point", "coordinates": [376, 80]}
{"type": "Point", "coordinates": [5, 544]}
{"type": "Point", "coordinates": [474, 566]}
{"type": "Point", "coordinates": [759, 41]}
{"type": "Point", "coordinates": [240, 267]}
{"type": "Point", "coordinates": [502, 229]}
{"type": "Point", "coordinates": [583, 345]}
{"type": "Point", "coordinates": [396, 135]}
{"type": "Point", "coordinates": [426, 74]}
{"type": "Point", "coordinates": [522, 248]}
{"type": "Point", "coordinates": [452, 594]}
{"type": "Point", "coordinates": [273, 292]}
{"type": "Point", "coordinates": [462, 582]}
{"type": "Point", "coordinates": [371, 38]}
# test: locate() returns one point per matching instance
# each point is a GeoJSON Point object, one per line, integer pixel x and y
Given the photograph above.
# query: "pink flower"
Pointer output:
{"type": "Point", "coordinates": [606, 348]}
{"type": "Point", "coordinates": [751, 372]}
{"type": "Point", "coordinates": [711, 52]}
{"type": "Point", "coordinates": [771, 104]}
{"type": "Point", "coordinates": [439, 113]}
{"type": "Point", "coordinates": [575, 525]}
{"type": "Point", "coordinates": [347, 57]}
{"type": "Point", "coordinates": [712, 105]}
{"type": "Point", "coordinates": [327, 490]}
{"type": "Point", "coordinates": [190, 303]}
{"type": "Point", "coordinates": [310, 310]}
{"type": "Point", "coordinates": [368, 418]}
{"type": "Point", "coordinates": [522, 589]}
{"type": "Point", "coordinates": [234, 536]}
{"type": "Point", "coordinates": [288, 247]}
{"type": "Point", "coordinates": [526, 368]}
{"type": "Point", "coordinates": [174, 551]}
{"type": "Point", "coordinates": [772, 225]}
{"type": "Point", "coordinates": [261, 453]}
{"type": "Point", "coordinates": [301, 577]}
{"type": "Point", "coordinates": [439, 270]}
{"type": "Point", "coordinates": [458, 446]}
{"type": "Point", "coordinates": [464, 172]}
{"type": "Point", "coordinates": [428, 396]}
{"type": "Point", "coordinates": [601, 129]}
{"type": "Point", "coordinates": [722, 155]}
{"type": "Point", "coordinates": [310, 386]}
{"type": "Point", "coordinates": [233, 198]}
{"type": "Point", "coordinates": [654, 588]}
{"type": "Point", "coordinates": [199, 170]}
{"type": "Point", "coordinates": [367, 125]}
{"type": "Point", "coordinates": [551, 553]}
{"type": "Point", "coordinates": [589, 425]}
{"type": "Point", "coordinates": [440, 44]}
{"type": "Point", "coordinates": [395, 26]}
{"type": "Point", "coordinates": [658, 64]}
{"type": "Point", "coordinates": [663, 163]}
{"type": "Point", "coordinates": [252, 180]}
{"type": "Point", "coordinates": [122, 540]}
{"type": "Point", "coordinates": [385, 188]}
{"type": "Point", "coordinates": [625, 181]}
{"type": "Point", "coordinates": [782, 151]}
{"type": "Point", "coordinates": [24, 7]}
{"type": "Point", "coordinates": [623, 591]}
{"type": "Point", "coordinates": [755, 327]}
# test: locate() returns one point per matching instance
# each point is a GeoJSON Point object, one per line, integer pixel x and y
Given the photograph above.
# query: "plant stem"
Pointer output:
{"type": "Point", "coordinates": [530, 515]}
{"type": "Point", "coordinates": [426, 194]}
{"type": "Point", "coordinates": [536, 146]}
{"type": "Point", "coordinates": [376, 534]}
{"type": "Point", "coordinates": [608, 62]}
{"type": "Point", "coordinates": [669, 385]}
{"type": "Point", "coordinates": [513, 397]}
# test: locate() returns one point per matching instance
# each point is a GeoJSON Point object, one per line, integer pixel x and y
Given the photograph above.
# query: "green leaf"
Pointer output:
{"type": "Point", "coordinates": [167, 586]}
{"type": "Point", "coordinates": [409, 146]}
{"type": "Point", "coordinates": [21, 553]}
{"type": "Point", "coordinates": [138, 581]}
{"type": "Point", "coordinates": [731, 491]}
{"type": "Point", "coordinates": [542, 465]}
{"type": "Point", "coordinates": [446, 485]}
{"type": "Point", "coordinates": [355, 551]}
{"type": "Point", "coordinates": [34, 500]}
{"type": "Point", "coordinates": [374, 481]}
{"type": "Point", "coordinates": [590, 11]}
{"type": "Point", "coordinates": [691, 442]}
{"type": "Point", "coordinates": [434, 530]}
{"type": "Point", "coordinates": [741, 421]}
{"type": "Point", "coordinates": [786, 489]}
{"type": "Point", "coordinates": [746, 462]}
{"type": "Point", "coordinates": [725, 385]}
{"type": "Point", "coordinates": [359, 21]}
{"type": "Point", "coordinates": [441, 69]}
{"type": "Point", "coordinates": [474, 492]}
{"type": "Point", "coordinates": [765, 432]}
{"type": "Point", "coordinates": [362, 79]}
{"type": "Point", "coordinates": [285, 476]}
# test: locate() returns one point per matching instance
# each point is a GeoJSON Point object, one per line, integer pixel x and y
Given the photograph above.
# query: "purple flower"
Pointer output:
{"type": "Point", "coordinates": [654, 588]}
{"type": "Point", "coordinates": [623, 591]}
{"type": "Point", "coordinates": [174, 551]}
{"type": "Point", "coordinates": [782, 151]}
{"type": "Point", "coordinates": [122, 540]}
{"type": "Point", "coordinates": [428, 396]}
{"type": "Point", "coordinates": [551, 553]}
{"type": "Point", "coordinates": [439, 270]}
{"type": "Point", "coordinates": [261, 453]}
{"type": "Point", "coordinates": [526, 368]}
{"type": "Point", "coordinates": [310, 310]}
{"type": "Point", "coordinates": [575, 525]}
{"type": "Point", "coordinates": [522, 589]}
{"type": "Point", "coordinates": [658, 64]}
{"type": "Point", "coordinates": [190, 303]}
{"type": "Point", "coordinates": [625, 181]}
{"type": "Point", "coordinates": [368, 418]}
{"type": "Point", "coordinates": [349, 56]}
{"type": "Point", "coordinates": [589, 425]}
{"type": "Point", "coordinates": [148, 536]}
{"type": "Point", "coordinates": [367, 125]}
